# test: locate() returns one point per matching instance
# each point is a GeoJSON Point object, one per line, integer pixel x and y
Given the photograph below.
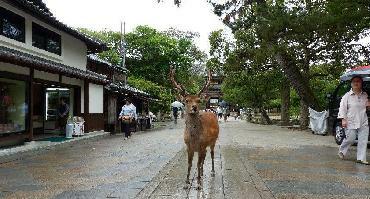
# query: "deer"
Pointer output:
{"type": "Point", "coordinates": [201, 128]}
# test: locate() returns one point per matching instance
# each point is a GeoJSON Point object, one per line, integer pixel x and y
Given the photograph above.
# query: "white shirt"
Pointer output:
{"type": "Point", "coordinates": [353, 109]}
{"type": "Point", "coordinates": [129, 110]}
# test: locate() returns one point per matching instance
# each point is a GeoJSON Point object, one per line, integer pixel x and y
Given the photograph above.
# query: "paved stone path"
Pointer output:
{"type": "Point", "coordinates": [252, 161]}
{"type": "Point", "coordinates": [105, 168]}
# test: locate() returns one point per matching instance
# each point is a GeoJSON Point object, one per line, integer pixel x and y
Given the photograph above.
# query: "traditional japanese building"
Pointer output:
{"type": "Point", "coordinates": [214, 91]}
{"type": "Point", "coordinates": [117, 91]}
{"type": "Point", "coordinates": [41, 61]}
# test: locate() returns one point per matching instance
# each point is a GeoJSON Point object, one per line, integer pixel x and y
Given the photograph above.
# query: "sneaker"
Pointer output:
{"type": "Point", "coordinates": [341, 155]}
{"type": "Point", "coordinates": [362, 162]}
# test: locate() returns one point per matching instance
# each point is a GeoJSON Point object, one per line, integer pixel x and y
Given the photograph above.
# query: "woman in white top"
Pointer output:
{"type": "Point", "coordinates": [127, 115]}
{"type": "Point", "coordinates": [352, 112]}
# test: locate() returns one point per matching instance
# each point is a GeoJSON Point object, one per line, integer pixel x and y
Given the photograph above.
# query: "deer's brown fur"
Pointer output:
{"type": "Point", "coordinates": [201, 129]}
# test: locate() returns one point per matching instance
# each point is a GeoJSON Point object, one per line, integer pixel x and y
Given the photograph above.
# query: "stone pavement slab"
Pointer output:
{"type": "Point", "coordinates": [104, 168]}
{"type": "Point", "coordinates": [232, 179]}
{"type": "Point", "coordinates": [310, 172]}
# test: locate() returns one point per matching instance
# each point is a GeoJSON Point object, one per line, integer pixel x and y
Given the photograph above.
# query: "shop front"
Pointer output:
{"type": "Point", "coordinates": [13, 109]}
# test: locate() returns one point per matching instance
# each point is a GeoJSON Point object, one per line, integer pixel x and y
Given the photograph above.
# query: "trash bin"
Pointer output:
{"type": "Point", "coordinates": [69, 130]}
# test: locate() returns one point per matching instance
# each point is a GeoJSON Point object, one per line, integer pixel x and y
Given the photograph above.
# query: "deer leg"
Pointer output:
{"type": "Point", "coordinates": [200, 172]}
{"type": "Point", "coordinates": [213, 162]}
{"type": "Point", "coordinates": [190, 162]}
{"type": "Point", "coordinates": [202, 163]}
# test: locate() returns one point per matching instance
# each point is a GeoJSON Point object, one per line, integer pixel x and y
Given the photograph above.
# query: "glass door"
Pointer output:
{"type": "Point", "coordinates": [54, 107]}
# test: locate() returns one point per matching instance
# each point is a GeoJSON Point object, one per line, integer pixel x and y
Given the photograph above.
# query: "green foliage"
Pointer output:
{"type": "Point", "coordinates": [161, 93]}
{"type": "Point", "coordinates": [298, 36]}
{"type": "Point", "coordinates": [112, 39]}
{"type": "Point", "coordinates": [150, 53]}
{"type": "Point", "coordinates": [254, 89]}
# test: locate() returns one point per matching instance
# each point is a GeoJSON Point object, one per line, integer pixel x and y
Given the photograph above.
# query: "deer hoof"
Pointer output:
{"type": "Point", "coordinates": [187, 182]}
{"type": "Point", "coordinates": [186, 186]}
{"type": "Point", "coordinates": [199, 187]}
{"type": "Point", "coordinates": [212, 174]}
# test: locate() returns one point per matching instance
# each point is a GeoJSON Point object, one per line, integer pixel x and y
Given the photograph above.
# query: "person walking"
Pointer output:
{"type": "Point", "coordinates": [219, 112]}
{"type": "Point", "coordinates": [352, 112]}
{"type": "Point", "coordinates": [127, 116]}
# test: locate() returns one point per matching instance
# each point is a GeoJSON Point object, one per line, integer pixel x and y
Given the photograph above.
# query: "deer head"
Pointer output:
{"type": "Point", "coordinates": [191, 101]}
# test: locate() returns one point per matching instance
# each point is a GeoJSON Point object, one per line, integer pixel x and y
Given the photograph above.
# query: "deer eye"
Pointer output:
{"type": "Point", "coordinates": [186, 101]}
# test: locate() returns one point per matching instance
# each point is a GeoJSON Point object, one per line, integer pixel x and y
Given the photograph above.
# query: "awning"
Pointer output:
{"type": "Point", "coordinates": [93, 58]}
{"type": "Point", "coordinates": [123, 89]}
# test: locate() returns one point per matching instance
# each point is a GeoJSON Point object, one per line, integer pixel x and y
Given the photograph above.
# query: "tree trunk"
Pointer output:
{"type": "Point", "coordinates": [285, 103]}
{"type": "Point", "coordinates": [298, 81]}
{"type": "Point", "coordinates": [304, 115]}
{"type": "Point", "coordinates": [265, 117]}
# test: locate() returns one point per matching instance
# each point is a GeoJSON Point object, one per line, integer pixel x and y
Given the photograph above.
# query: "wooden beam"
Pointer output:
{"type": "Point", "coordinates": [86, 105]}
{"type": "Point", "coordinates": [30, 104]}
{"type": "Point", "coordinates": [86, 97]}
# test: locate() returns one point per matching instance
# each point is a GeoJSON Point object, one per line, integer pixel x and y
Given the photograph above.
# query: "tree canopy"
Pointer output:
{"type": "Point", "coordinates": [296, 36]}
{"type": "Point", "coordinates": [149, 55]}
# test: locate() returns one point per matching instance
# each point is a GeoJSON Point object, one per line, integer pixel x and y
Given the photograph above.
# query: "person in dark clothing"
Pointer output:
{"type": "Point", "coordinates": [175, 111]}
{"type": "Point", "coordinates": [63, 112]}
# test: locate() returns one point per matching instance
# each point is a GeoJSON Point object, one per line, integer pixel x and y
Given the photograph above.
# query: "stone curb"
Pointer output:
{"type": "Point", "coordinates": [34, 151]}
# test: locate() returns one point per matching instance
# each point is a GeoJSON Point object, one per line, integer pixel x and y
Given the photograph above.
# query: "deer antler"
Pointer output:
{"type": "Point", "coordinates": [206, 85]}
{"type": "Point", "coordinates": [177, 86]}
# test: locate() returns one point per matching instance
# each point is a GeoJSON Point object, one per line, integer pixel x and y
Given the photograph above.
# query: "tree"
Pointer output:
{"type": "Point", "coordinates": [162, 94]}
{"type": "Point", "coordinates": [150, 53]}
{"type": "Point", "coordinates": [298, 35]}
{"type": "Point", "coordinates": [249, 89]}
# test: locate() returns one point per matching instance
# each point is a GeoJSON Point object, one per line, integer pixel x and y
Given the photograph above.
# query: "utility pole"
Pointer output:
{"type": "Point", "coordinates": [123, 47]}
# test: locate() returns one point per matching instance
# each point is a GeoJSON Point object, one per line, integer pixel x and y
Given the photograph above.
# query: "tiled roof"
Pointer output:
{"type": "Point", "coordinates": [121, 87]}
{"type": "Point", "coordinates": [38, 9]}
{"type": "Point", "coordinates": [96, 59]}
{"type": "Point", "coordinates": [23, 59]}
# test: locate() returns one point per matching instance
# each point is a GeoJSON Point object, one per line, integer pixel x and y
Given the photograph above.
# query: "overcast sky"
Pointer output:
{"type": "Point", "coordinates": [193, 15]}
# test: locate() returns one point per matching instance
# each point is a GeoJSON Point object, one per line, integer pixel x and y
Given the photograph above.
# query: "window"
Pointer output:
{"type": "Point", "coordinates": [46, 39]}
{"type": "Point", "coordinates": [13, 106]}
{"type": "Point", "coordinates": [12, 25]}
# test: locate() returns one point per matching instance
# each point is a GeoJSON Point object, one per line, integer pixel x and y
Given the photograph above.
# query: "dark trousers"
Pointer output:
{"type": "Point", "coordinates": [125, 127]}
{"type": "Point", "coordinates": [62, 124]}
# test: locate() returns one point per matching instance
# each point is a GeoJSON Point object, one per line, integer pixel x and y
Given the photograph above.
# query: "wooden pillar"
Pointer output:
{"type": "Point", "coordinates": [30, 105]}
{"type": "Point", "coordinates": [86, 105]}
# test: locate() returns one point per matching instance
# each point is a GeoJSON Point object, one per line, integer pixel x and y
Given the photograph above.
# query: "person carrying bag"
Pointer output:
{"type": "Point", "coordinates": [127, 115]}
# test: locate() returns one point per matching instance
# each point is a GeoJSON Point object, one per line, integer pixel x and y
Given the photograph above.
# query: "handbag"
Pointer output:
{"type": "Point", "coordinates": [126, 119]}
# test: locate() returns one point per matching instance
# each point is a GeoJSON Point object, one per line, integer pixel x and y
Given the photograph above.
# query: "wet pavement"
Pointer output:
{"type": "Point", "coordinates": [251, 161]}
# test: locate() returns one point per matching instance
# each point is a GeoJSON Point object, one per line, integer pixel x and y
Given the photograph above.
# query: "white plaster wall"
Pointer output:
{"type": "Point", "coordinates": [14, 68]}
{"type": "Point", "coordinates": [96, 98]}
{"type": "Point", "coordinates": [74, 51]}
{"type": "Point", "coordinates": [46, 76]}
{"type": "Point", "coordinates": [72, 81]}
